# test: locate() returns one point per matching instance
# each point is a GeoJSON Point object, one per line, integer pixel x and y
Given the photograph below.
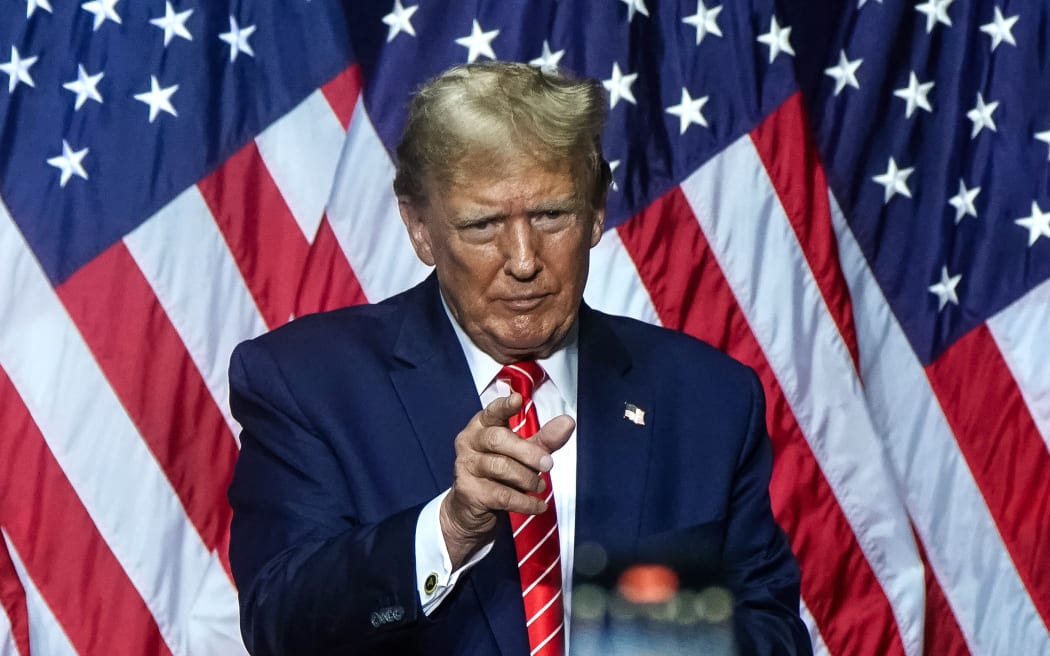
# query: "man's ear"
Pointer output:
{"type": "Point", "coordinates": [597, 226]}
{"type": "Point", "coordinates": [415, 221]}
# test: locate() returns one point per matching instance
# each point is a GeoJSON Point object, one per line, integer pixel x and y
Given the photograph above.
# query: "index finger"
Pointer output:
{"type": "Point", "coordinates": [500, 410]}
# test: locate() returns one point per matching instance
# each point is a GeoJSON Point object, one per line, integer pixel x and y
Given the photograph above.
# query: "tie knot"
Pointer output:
{"type": "Point", "coordinates": [523, 377]}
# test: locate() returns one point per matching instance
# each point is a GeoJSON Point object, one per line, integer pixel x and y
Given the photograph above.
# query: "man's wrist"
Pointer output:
{"type": "Point", "coordinates": [460, 545]}
{"type": "Point", "coordinates": [435, 574]}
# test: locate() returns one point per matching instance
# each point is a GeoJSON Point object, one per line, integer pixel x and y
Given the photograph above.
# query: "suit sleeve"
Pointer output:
{"type": "Point", "coordinates": [312, 578]}
{"type": "Point", "coordinates": [761, 567]}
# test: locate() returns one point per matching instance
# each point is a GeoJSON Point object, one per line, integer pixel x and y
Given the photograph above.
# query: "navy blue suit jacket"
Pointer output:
{"type": "Point", "coordinates": [349, 419]}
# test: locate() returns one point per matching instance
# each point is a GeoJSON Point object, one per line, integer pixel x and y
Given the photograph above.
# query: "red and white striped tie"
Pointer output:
{"type": "Point", "coordinates": [536, 536]}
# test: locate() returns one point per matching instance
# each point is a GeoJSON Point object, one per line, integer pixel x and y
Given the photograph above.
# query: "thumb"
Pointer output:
{"type": "Point", "coordinates": [555, 433]}
{"type": "Point", "coordinates": [500, 410]}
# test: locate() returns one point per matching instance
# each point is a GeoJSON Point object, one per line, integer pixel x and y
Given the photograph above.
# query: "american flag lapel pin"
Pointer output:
{"type": "Point", "coordinates": [634, 414]}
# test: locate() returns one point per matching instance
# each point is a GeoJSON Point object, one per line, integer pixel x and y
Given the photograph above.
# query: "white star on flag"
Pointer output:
{"type": "Point", "coordinates": [963, 201]}
{"type": "Point", "coordinates": [158, 99]}
{"type": "Point", "coordinates": [936, 12]}
{"type": "Point", "coordinates": [1000, 29]}
{"type": "Point", "coordinates": [894, 180]}
{"type": "Point", "coordinates": [981, 116]}
{"type": "Point", "coordinates": [173, 24]}
{"type": "Point", "coordinates": [399, 20]}
{"type": "Point", "coordinates": [237, 39]}
{"type": "Point", "coordinates": [1044, 137]}
{"type": "Point", "coordinates": [916, 94]}
{"type": "Point", "coordinates": [844, 73]}
{"type": "Point", "coordinates": [17, 70]}
{"type": "Point", "coordinates": [945, 289]}
{"type": "Point", "coordinates": [103, 10]}
{"type": "Point", "coordinates": [33, 5]}
{"type": "Point", "coordinates": [613, 165]}
{"type": "Point", "coordinates": [69, 163]}
{"type": "Point", "coordinates": [689, 111]}
{"type": "Point", "coordinates": [704, 20]}
{"type": "Point", "coordinates": [635, 6]}
{"type": "Point", "coordinates": [1038, 224]}
{"type": "Point", "coordinates": [85, 86]}
{"type": "Point", "coordinates": [478, 43]}
{"type": "Point", "coordinates": [619, 86]}
{"type": "Point", "coordinates": [778, 39]}
{"type": "Point", "coordinates": [548, 60]}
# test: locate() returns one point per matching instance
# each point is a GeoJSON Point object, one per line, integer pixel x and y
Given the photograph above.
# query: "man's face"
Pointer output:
{"type": "Point", "coordinates": [511, 252]}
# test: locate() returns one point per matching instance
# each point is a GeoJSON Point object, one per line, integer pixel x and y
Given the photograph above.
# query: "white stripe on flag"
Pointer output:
{"type": "Point", "coordinates": [820, 648]}
{"type": "Point", "coordinates": [963, 545]}
{"type": "Point", "coordinates": [613, 284]}
{"type": "Point", "coordinates": [301, 151]}
{"type": "Point", "coordinates": [121, 485]}
{"type": "Point", "coordinates": [1022, 333]}
{"type": "Point", "coordinates": [7, 641]}
{"type": "Point", "coordinates": [220, 635]}
{"type": "Point", "coordinates": [188, 264]}
{"type": "Point", "coordinates": [759, 254]}
{"type": "Point", "coordinates": [363, 213]}
{"type": "Point", "coordinates": [46, 636]}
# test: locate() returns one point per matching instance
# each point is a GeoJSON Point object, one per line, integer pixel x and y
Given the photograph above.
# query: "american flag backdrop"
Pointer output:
{"type": "Point", "coordinates": [853, 198]}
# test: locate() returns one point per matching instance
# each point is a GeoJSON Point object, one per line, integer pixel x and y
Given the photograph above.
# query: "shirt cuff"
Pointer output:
{"type": "Point", "coordinates": [434, 576]}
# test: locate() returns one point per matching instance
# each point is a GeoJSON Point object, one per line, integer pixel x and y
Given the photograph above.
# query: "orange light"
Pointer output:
{"type": "Point", "coordinates": [648, 584]}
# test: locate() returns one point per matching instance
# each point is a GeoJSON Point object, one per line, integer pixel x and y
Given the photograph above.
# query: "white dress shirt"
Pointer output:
{"type": "Point", "coordinates": [555, 396]}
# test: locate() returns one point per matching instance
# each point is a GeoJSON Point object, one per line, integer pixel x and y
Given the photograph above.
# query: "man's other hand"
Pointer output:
{"type": "Point", "coordinates": [496, 471]}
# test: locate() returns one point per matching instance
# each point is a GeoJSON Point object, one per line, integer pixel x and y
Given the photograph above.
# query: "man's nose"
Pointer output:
{"type": "Point", "coordinates": [520, 250]}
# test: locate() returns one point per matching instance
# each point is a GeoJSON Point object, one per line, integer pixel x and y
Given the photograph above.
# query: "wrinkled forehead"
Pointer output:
{"type": "Point", "coordinates": [521, 185]}
{"type": "Point", "coordinates": [489, 164]}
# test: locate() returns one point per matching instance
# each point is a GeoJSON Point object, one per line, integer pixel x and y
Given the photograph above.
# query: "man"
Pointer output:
{"type": "Point", "coordinates": [412, 479]}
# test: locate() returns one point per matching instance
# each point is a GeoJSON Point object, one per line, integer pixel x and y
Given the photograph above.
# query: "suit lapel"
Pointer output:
{"type": "Point", "coordinates": [613, 452]}
{"type": "Point", "coordinates": [434, 384]}
{"type": "Point", "coordinates": [432, 380]}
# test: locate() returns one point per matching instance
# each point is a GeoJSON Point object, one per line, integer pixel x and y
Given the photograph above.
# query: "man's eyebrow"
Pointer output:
{"type": "Point", "coordinates": [567, 202]}
{"type": "Point", "coordinates": [478, 215]}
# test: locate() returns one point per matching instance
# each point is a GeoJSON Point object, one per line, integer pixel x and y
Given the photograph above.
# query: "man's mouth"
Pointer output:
{"type": "Point", "coordinates": [523, 303]}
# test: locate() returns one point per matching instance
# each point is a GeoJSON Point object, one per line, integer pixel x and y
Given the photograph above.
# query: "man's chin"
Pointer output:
{"type": "Point", "coordinates": [512, 348]}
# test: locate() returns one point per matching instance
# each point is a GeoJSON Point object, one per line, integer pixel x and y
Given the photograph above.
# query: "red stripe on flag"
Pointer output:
{"type": "Point", "coordinates": [264, 238]}
{"type": "Point", "coordinates": [691, 294]}
{"type": "Point", "coordinates": [788, 151]}
{"type": "Point", "coordinates": [78, 577]}
{"type": "Point", "coordinates": [942, 634]}
{"type": "Point", "coordinates": [1004, 450]}
{"type": "Point", "coordinates": [13, 596]}
{"type": "Point", "coordinates": [328, 280]}
{"type": "Point", "coordinates": [342, 92]}
{"type": "Point", "coordinates": [155, 378]}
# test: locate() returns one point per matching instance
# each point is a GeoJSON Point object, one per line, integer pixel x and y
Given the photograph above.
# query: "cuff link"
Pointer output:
{"type": "Point", "coordinates": [430, 584]}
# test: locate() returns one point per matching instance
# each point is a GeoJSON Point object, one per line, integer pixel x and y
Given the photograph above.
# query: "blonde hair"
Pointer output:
{"type": "Point", "coordinates": [486, 115]}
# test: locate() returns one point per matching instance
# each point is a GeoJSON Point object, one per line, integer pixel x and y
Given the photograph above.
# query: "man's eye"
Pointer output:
{"type": "Point", "coordinates": [548, 216]}
{"type": "Point", "coordinates": [553, 219]}
{"type": "Point", "coordinates": [480, 225]}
